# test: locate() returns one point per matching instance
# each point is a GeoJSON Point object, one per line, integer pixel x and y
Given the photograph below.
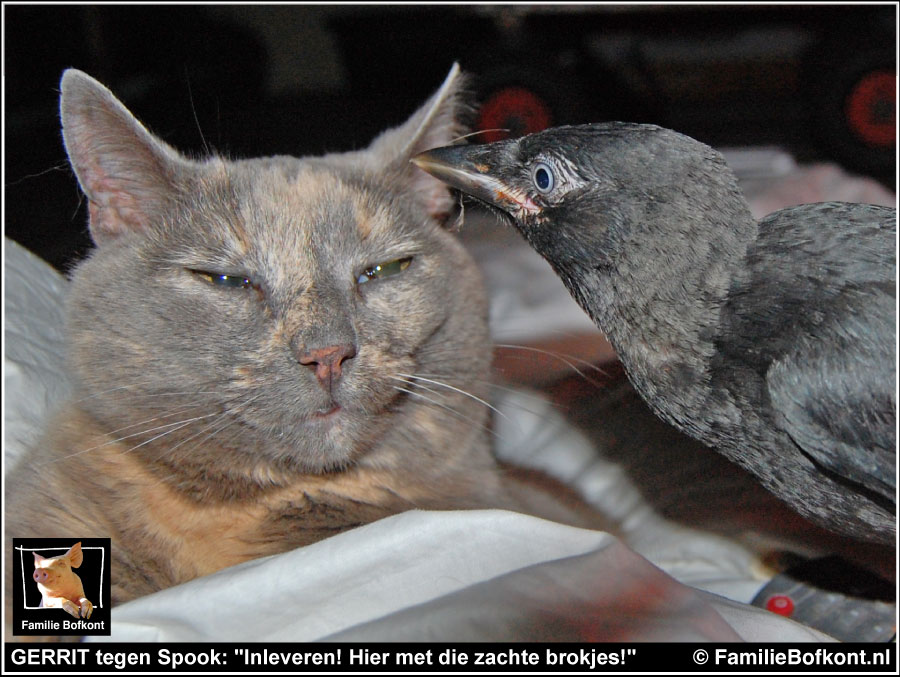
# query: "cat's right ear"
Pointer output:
{"type": "Point", "coordinates": [127, 174]}
{"type": "Point", "coordinates": [436, 123]}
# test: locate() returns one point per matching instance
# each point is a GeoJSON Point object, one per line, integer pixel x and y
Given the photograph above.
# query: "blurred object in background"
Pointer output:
{"type": "Point", "coordinates": [736, 75]}
{"type": "Point", "coordinates": [249, 80]}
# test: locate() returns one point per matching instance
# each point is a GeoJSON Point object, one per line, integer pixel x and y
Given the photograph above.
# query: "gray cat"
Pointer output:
{"type": "Point", "coordinates": [264, 352]}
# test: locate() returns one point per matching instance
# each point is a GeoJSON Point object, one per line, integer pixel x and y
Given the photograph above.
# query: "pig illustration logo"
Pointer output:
{"type": "Point", "coordinates": [43, 580]}
{"type": "Point", "coordinates": [59, 585]}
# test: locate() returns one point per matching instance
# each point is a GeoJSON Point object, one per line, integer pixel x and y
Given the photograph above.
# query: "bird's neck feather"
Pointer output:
{"type": "Point", "coordinates": [657, 287]}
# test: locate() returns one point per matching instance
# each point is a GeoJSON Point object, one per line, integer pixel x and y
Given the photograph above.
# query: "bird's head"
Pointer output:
{"type": "Point", "coordinates": [591, 188]}
{"type": "Point", "coordinates": [525, 178]}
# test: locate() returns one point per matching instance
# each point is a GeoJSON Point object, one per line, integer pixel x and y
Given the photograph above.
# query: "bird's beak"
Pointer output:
{"type": "Point", "coordinates": [472, 170]}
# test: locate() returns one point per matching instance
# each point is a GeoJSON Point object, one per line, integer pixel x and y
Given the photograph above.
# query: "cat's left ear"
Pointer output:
{"type": "Point", "coordinates": [436, 123]}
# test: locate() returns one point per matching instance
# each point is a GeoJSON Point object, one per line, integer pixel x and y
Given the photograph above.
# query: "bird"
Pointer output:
{"type": "Point", "coordinates": [771, 340]}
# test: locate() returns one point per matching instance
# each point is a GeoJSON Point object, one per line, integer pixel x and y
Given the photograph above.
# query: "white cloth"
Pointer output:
{"type": "Point", "coordinates": [33, 347]}
{"type": "Point", "coordinates": [448, 576]}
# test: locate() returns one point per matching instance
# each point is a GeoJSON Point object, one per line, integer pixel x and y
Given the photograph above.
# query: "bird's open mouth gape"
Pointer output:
{"type": "Point", "coordinates": [507, 204]}
{"type": "Point", "coordinates": [520, 203]}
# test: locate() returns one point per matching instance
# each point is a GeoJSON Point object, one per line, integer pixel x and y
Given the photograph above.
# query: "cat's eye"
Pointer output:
{"type": "Point", "coordinates": [226, 281]}
{"type": "Point", "coordinates": [383, 270]}
{"type": "Point", "coordinates": [542, 176]}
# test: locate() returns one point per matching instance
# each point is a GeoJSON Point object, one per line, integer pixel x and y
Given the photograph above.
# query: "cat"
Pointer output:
{"type": "Point", "coordinates": [264, 352]}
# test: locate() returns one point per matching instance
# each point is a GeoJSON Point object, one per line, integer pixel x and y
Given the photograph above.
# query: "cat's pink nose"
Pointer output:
{"type": "Point", "coordinates": [327, 362]}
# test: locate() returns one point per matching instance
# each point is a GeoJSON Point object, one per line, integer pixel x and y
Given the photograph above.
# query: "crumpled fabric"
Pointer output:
{"type": "Point", "coordinates": [474, 575]}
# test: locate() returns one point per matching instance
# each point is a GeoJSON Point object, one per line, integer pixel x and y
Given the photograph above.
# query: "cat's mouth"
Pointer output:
{"type": "Point", "coordinates": [328, 413]}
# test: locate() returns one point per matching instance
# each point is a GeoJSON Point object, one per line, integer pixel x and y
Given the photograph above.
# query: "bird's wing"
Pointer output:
{"type": "Point", "coordinates": [833, 390]}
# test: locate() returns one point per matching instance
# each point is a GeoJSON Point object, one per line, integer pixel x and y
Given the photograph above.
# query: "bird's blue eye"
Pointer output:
{"type": "Point", "coordinates": [542, 175]}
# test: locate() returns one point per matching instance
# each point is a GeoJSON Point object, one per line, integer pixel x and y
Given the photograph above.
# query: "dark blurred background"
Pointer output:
{"type": "Point", "coordinates": [819, 81]}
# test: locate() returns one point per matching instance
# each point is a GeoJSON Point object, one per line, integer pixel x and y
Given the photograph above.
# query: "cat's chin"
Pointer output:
{"type": "Point", "coordinates": [326, 440]}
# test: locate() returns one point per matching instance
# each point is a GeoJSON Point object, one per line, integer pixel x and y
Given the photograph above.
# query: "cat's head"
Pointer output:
{"type": "Point", "coordinates": [273, 315]}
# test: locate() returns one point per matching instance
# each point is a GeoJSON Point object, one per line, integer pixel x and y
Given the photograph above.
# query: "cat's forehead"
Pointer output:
{"type": "Point", "coordinates": [293, 197]}
{"type": "Point", "coordinates": [291, 221]}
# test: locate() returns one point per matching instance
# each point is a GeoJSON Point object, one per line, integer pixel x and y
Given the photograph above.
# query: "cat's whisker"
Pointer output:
{"type": "Point", "coordinates": [476, 133]}
{"type": "Point", "coordinates": [219, 416]}
{"type": "Point", "coordinates": [527, 395]}
{"type": "Point", "coordinates": [62, 166]}
{"type": "Point", "coordinates": [173, 393]}
{"type": "Point", "coordinates": [168, 414]}
{"type": "Point", "coordinates": [110, 390]}
{"type": "Point", "coordinates": [453, 388]}
{"type": "Point", "coordinates": [176, 425]}
{"type": "Point", "coordinates": [414, 393]}
{"type": "Point", "coordinates": [420, 385]}
{"type": "Point", "coordinates": [493, 385]}
{"type": "Point", "coordinates": [521, 393]}
{"type": "Point", "coordinates": [557, 354]}
{"type": "Point", "coordinates": [212, 433]}
{"type": "Point", "coordinates": [566, 333]}
{"type": "Point", "coordinates": [170, 476]}
{"type": "Point", "coordinates": [150, 430]}
{"type": "Point", "coordinates": [194, 111]}
{"type": "Point", "coordinates": [184, 424]}
{"type": "Point", "coordinates": [143, 383]}
{"type": "Point", "coordinates": [211, 426]}
{"type": "Point", "coordinates": [125, 437]}
{"type": "Point", "coordinates": [569, 360]}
